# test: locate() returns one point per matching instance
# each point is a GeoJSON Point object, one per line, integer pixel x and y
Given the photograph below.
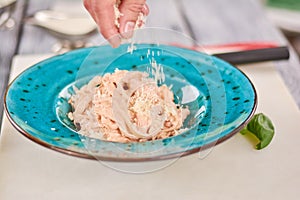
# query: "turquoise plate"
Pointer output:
{"type": "Point", "coordinates": [36, 101]}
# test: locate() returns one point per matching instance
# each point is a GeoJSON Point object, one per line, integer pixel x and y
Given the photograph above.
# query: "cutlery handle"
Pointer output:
{"type": "Point", "coordinates": [258, 55]}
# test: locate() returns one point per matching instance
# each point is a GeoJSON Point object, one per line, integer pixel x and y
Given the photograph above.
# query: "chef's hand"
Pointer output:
{"type": "Point", "coordinates": [103, 13]}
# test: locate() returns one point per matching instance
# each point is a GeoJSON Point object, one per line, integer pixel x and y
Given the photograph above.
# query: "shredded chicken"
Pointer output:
{"type": "Point", "coordinates": [126, 107]}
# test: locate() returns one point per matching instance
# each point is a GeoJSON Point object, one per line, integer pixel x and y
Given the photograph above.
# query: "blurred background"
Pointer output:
{"type": "Point", "coordinates": [59, 25]}
{"type": "Point", "coordinates": [286, 15]}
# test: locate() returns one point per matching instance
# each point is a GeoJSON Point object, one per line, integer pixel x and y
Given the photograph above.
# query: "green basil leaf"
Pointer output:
{"type": "Point", "coordinates": [261, 126]}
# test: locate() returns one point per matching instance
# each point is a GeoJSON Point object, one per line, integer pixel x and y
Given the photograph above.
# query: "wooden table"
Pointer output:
{"type": "Point", "coordinates": [9, 40]}
{"type": "Point", "coordinates": [208, 22]}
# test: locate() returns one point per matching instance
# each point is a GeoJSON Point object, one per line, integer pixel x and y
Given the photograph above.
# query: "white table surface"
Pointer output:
{"type": "Point", "coordinates": [232, 170]}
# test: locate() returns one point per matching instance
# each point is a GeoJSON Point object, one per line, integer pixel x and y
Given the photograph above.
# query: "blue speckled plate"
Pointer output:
{"type": "Point", "coordinates": [36, 101]}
